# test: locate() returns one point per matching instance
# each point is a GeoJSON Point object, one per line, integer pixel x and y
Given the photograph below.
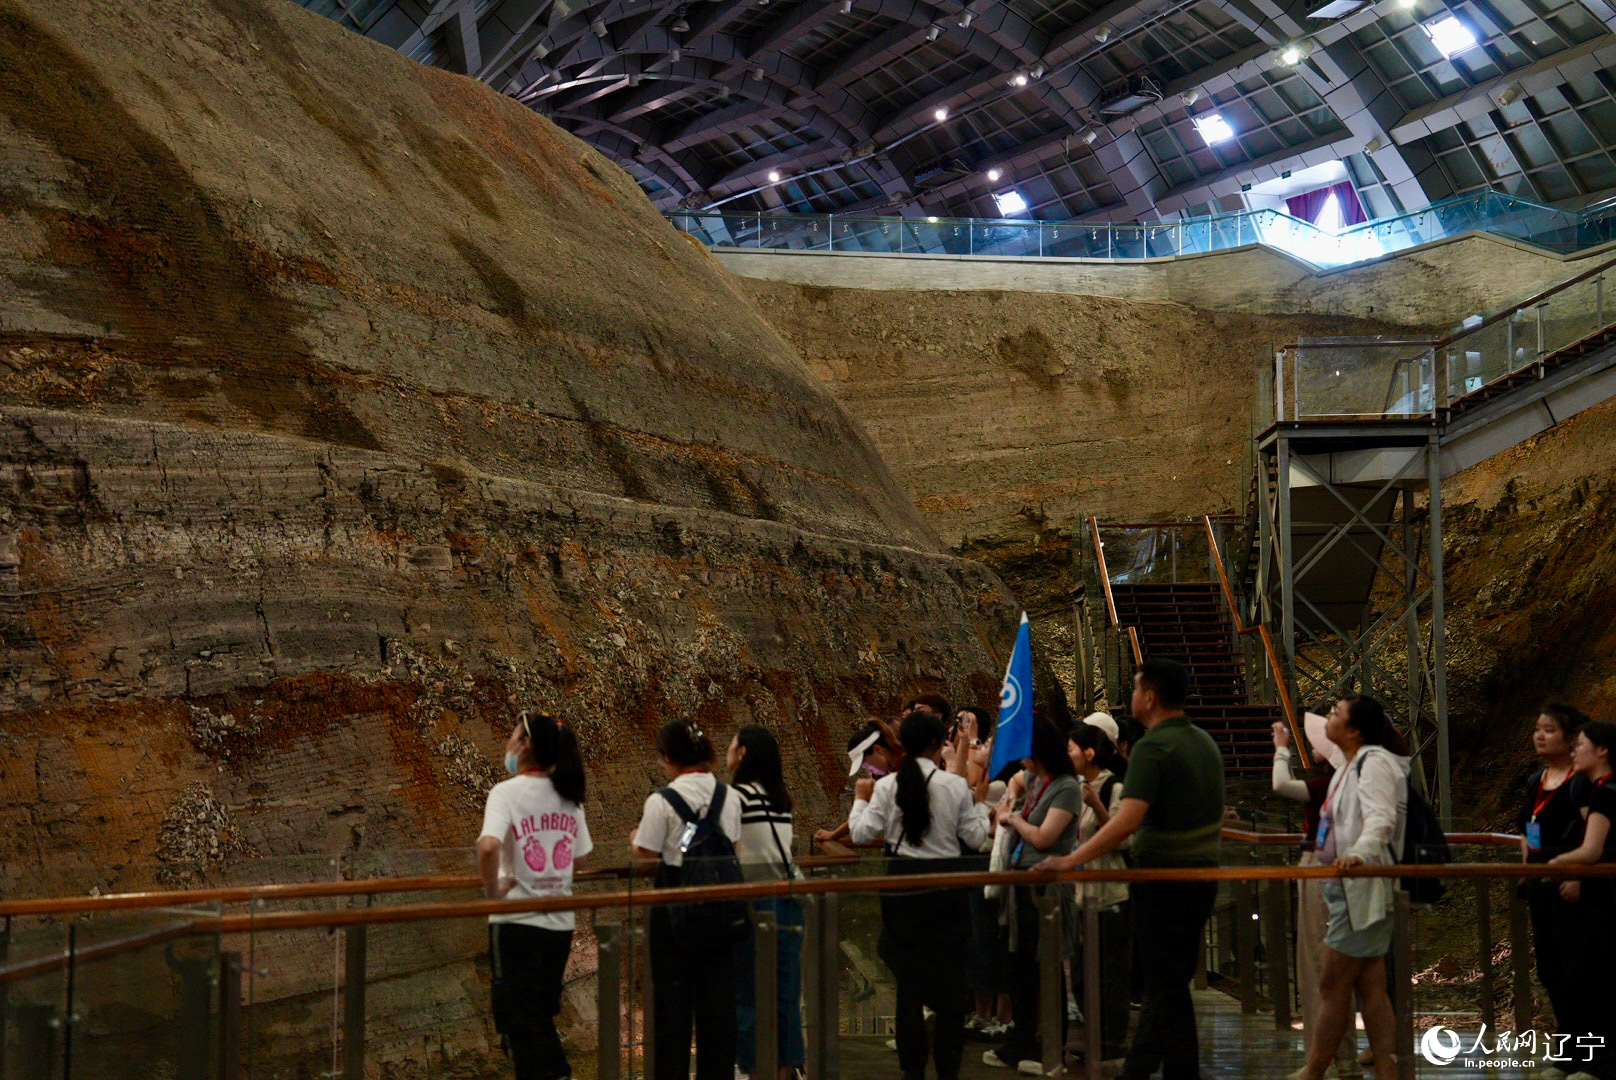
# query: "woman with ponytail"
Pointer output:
{"type": "Point", "coordinates": [693, 977]}
{"type": "Point", "coordinates": [534, 835]}
{"type": "Point", "coordinates": [927, 817]}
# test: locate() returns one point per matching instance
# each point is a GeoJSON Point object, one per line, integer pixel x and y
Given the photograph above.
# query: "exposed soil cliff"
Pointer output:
{"type": "Point", "coordinates": [347, 407]}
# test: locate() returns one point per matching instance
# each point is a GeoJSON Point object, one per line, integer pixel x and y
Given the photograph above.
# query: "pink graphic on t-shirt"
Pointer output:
{"type": "Point", "coordinates": [533, 853]}
{"type": "Point", "coordinates": [561, 854]}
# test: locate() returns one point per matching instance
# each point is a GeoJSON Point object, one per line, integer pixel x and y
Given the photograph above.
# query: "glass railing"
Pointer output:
{"type": "Point", "coordinates": [1380, 378]}
{"type": "Point", "coordinates": [394, 981]}
{"type": "Point", "coordinates": [1563, 231]}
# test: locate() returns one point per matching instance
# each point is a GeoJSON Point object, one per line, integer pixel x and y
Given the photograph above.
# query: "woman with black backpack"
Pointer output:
{"type": "Point", "coordinates": [692, 945]}
{"type": "Point", "coordinates": [924, 815]}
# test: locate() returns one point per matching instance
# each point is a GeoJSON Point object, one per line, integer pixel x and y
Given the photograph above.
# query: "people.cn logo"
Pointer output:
{"type": "Point", "coordinates": [1440, 1045]}
{"type": "Point", "coordinates": [1009, 696]}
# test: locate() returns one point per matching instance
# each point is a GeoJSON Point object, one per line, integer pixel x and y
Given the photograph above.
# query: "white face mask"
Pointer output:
{"type": "Point", "coordinates": [513, 764]}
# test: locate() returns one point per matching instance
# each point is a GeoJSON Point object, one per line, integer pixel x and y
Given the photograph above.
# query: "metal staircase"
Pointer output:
{"type": "Point", "coordinates": [1348, 568]}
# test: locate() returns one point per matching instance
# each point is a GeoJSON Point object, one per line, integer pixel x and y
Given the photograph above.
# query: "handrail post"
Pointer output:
{"type": "Point", "coordinates": [1093, 1009]}
{"type": "Point", "coordinates": [827, 951]}
{"type": "Point", "coordinates": [1520, 962]}
{"type": "Point", "coordinates": [1245, 947]}
{"type": "Point", "coordinates": [608, 999]}
{"type": "Point", "coordinates": [5, 991]}
{"type": "Point", "coordinates": [230, 1014]}
{"type": "Point", "coordinates": [765, 989]}
{"type": "Point", "coordinates": [1484, 952]}
{"type": "Point", "coordinates": [1051, 1002]}
{"type": "Point", "coordinates": [1277, 946]}
{"type": "Point", "coordinates": [1540, 338]}
{"type": "Point", "coordinates": [1402, 961]}
{"type": "Point", "coordinates": [353, 1003]}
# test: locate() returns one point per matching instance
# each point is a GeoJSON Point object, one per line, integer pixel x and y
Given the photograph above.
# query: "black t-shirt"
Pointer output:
{"type": "Point", "coordinates": [1560, 819]}
{"type": "Point", "coordinates": [1602, 800]}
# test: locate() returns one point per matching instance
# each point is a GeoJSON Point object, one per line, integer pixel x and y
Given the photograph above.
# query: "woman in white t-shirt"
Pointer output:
{"type": "Point", "coordinates": [765, 853]}
{"type": "Point", "coordinates": [534, 835]}
{"type": "Point", "coordinates": [693, 982]}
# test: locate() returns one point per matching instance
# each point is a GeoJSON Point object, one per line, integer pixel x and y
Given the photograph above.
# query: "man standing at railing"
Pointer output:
{"type": "Point", "coordinates": [1172, 806]}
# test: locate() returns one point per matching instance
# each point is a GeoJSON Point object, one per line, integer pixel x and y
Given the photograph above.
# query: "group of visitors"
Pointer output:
{"type": "Point", "coordinates": [1101, 795]}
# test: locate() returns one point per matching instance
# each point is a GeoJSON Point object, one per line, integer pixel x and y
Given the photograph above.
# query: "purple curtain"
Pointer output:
{"type": "Point", "coordinates": [1310, 204]}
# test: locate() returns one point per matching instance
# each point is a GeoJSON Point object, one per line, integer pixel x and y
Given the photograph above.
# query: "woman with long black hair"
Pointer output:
{"type": "Point", "coordinates": [533, 836]}
{"type": "Point", "coordinates": [1045, 825]}
{"type": "Point", "coordinates": [927, 817]}
{"type": "Point", "coordinates": [764, 849]}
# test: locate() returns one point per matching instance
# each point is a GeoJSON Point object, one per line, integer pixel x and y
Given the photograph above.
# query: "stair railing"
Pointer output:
{"type": "Point", "coordinates": [1130, 632]}
{"type": "Point", "coordinates": [1280, 684]}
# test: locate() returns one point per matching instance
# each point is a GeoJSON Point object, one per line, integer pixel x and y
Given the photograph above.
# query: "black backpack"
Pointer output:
{"type": "Point", "coordinates": [1424, 844]}
{"type": "Point", "coordinates": [709, 859]}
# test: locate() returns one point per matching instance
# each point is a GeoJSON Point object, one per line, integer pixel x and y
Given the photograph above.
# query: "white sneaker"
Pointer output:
{"type": "Point", "coordinates": [1030, 1068]}
{"type": "Point", "coordinates": [994, 1029]}
{"type": "Point", "coordinates": [973, 1023]}
{"type": "Point", "coordinates": [892, 1044]}
{"type": "Point", "coordinates": [990, 1058]}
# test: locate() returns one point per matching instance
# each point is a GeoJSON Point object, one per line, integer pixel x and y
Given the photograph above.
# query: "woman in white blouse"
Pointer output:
{"type": "Point", "coordinates": [926, 817]}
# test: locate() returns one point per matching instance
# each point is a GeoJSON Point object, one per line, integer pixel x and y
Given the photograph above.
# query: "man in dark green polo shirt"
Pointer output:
{"type": "Point", "coordinates": [1172, 806]}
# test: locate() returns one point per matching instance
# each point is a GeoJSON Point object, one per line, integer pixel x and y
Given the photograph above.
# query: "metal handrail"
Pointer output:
{"type": "Point", "coordinates": [1268, 646]}
{"type": "Point", "coordinates": [1110, 600]}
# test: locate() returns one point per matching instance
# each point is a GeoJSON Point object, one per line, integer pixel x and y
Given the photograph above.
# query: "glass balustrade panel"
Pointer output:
{"type": "Point", "coordinates": [1364, 379]}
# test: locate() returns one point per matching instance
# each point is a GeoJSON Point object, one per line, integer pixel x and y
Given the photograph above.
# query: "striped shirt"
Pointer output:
{"type": "Point", "coordinates": [765, 836]}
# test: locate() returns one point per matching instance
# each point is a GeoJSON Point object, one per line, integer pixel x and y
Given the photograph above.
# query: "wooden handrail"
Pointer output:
{"type": "Point", "coordinates": [1248, 836]}
{"type": "Point", "coordinates": [1110, 600]}
{"type": "Point", "coordinates": [1297, 738]}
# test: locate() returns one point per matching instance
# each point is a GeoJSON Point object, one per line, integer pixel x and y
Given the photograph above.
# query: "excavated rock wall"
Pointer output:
{"type": "Point", "coordinates": [346, 408]}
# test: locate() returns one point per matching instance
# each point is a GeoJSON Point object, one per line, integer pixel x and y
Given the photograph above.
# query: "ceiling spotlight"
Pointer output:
{"type": "Point", "coordinates": [965, 20]}
{"type": "Point", "coordinates": [757, 74]}
{"type": "Point", "coordinates": [940, 114]}
{"type": "Point", "coordinates": [1089, 136]}
{"type": "Point", "coordinates": [1190, 97]}
{"type": "Point", "coordinates": [847, 7]}
{"type": "Point", "coordinates": [1037, 72]}
{"type": "Point", "coordinates": [1372, 145]}
{"type": "Point", "coordinates": [931, 221]}
{"type": "Point", "coordinates": [598, 26]}
{"type": "Point", "coordinates": [1102, 35]}
{"type": "Point", "coordinates": [1018, 79]}
{"type": "Point", "coordinates": [932, 32]}
{"type": "Point", "coordinates": [1293, 53]}
{"type": "Point", "coordinates": [680, 24]}
{"type": "Point", "coordinates": [774, 176]}
{"type": "Point", "coordinates": [674, 54]}
{"type": "Point", "coordinates": [994, 174]}
{"type": "Point", "coordinates": [723, 93]}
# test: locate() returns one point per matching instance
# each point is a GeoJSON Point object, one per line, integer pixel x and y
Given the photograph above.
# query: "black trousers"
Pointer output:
{"type": "Point", "coordinates": [1554, 934]}
{"type": "Point", "coordinates": [920, 934]}
{"type": "Point", "coordinates": [1025, 982]}
{"type": "Point", "coordinates": [529, 964]}
{"type": "Point", "coordinates": [1592, 989]}
{"type": "Point", "coordinates": [693, 985]}
{"type": "Point", "coordinates": [1169, 919]}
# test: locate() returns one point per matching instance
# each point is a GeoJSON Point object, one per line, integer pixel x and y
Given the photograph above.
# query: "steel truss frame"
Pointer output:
{"type": "Point", "coordinates": [1394, 645]}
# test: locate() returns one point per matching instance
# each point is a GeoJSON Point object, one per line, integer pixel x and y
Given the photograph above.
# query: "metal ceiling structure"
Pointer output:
{"type": "Point", "coordinates": [1086, 109]}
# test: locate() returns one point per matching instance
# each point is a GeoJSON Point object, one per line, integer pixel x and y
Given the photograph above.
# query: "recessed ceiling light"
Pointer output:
{"type": "Point", "coordinates": [774, 176]}
{"type": "Point", "coordinates": [940, 113]}
{"type": "Point", "coordinates": [1213, 128]}
{"type": "Point", "coordinates": [1450, 36]}
{"type": "Point", "coordinates": [1010, 203]}
{"type": "Point", "coordinates": [994, 174]}
{"type": "Point", "coordinates": [1018, 79]}
{"type": "Point", "coordinates": [931, 221]}
{"type": "Point", "coordinates": [1290, 55]}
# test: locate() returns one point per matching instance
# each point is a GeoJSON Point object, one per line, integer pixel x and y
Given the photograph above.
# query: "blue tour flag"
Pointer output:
{"type": "Point", "coordinates": [1012, 737]}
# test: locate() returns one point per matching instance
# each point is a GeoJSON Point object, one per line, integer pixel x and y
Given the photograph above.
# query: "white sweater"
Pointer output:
{"type": "Point", "coordinates": [1368, 804]}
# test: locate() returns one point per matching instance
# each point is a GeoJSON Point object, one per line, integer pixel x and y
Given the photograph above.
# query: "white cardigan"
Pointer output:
{"type": "Point", "coordinates": [1368, 804]}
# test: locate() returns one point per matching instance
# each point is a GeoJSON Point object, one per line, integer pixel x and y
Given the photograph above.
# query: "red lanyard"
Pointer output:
{"type": "Point", "coordinates": [1032, 800]}
{"type": "Point", "coordinates": [1544, 796]}
{"type": "Point", "coordinates": [1601, 781]}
